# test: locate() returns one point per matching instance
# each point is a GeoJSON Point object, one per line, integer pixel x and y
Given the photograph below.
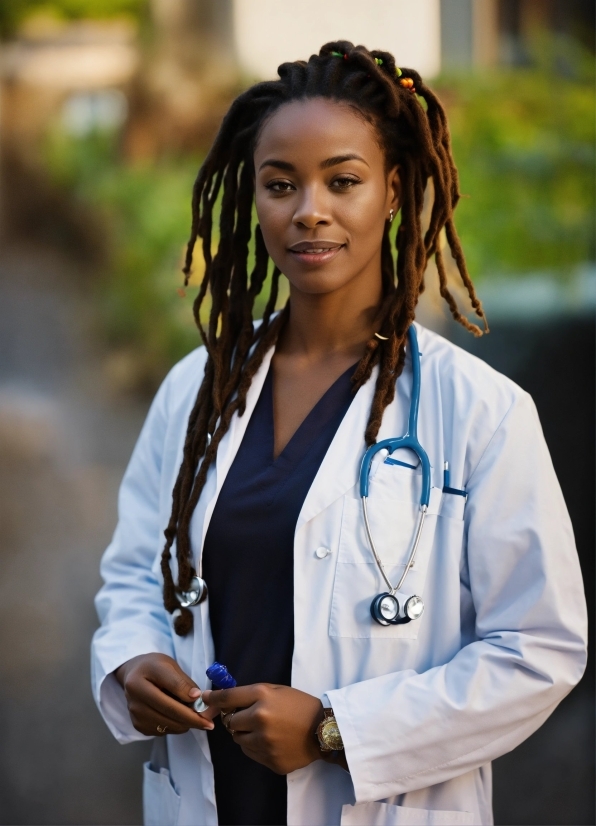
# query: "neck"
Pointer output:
{"type": "Point", "coordinates": [330, 324]}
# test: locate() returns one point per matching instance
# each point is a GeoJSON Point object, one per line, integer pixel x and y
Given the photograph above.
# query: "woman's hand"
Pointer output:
{"type": "Point", "coordinates": [275, 725]}
{"type": "Point", "coordinates": [156, 691]}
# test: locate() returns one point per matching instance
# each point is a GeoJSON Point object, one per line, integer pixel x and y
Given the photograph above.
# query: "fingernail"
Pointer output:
{"type": "Point", "coordinates": [194, 693]}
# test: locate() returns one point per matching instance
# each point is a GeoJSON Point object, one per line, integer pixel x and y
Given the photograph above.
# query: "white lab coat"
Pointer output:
{"type": "Point", "coordinates": [423, 708]}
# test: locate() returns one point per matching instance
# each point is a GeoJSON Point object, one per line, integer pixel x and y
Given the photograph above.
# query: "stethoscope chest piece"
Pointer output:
{"type": "Point", "coordinates": [195, 594]}
{"type": "Point", "coordinates": [414, 608]}
{"type": "Point", "coordinates": [385, 609]}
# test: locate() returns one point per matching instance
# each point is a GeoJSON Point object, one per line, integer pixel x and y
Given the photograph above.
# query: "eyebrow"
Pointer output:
{"type": "Point", "coordinates": [335, 161]}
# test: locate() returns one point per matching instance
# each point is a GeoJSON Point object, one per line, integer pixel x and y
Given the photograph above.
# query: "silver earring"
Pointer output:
{"type": "Point", "coordinates": [390, 215]}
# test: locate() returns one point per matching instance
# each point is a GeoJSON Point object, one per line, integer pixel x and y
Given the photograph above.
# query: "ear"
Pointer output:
{"type": "Point", "coordinates": [394, 190]}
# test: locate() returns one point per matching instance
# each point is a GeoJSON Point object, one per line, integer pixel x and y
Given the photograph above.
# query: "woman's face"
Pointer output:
{"type": "Point", "coordinates": [323, 195]}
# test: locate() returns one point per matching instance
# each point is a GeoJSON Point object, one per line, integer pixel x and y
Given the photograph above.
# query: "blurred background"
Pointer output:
{"type": "Point", "coordinates": [106, 109]}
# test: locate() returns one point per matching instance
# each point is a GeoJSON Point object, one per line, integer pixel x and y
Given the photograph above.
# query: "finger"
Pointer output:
{"type": "Point", "coordinates": [147, 721]}
{"type": "Point", "coordinates": [251, 747]}
{"type": "Point", "coordinates": [171, 678]}
{"type": "Point", "coordinates": [172, 709]}
{"type": "Point", "coordinates": [241, 720]}
{"type": "Point", "coordinates": [240, 697]}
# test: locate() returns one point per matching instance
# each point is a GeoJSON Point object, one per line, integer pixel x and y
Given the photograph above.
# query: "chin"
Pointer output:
{"type": "Point", "coordinates": [318, 282]}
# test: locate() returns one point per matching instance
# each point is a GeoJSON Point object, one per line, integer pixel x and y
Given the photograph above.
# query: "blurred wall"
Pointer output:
{"type": "Point", "coordinates": [267, 33]}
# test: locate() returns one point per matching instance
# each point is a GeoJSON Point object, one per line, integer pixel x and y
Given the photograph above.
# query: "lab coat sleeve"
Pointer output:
{"type": "Point", "coordinates": [405, 731]}
{"type": "Point", "coordinates": [129, 605]}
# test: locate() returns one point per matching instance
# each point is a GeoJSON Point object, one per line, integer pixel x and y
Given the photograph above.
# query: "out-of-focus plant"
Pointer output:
{"type": "Point", "coordinates": [145, 214]}
{"type": "Point", "coordinates": [524, 141]}
{"type": "Point", "coordinates": [15, 12]}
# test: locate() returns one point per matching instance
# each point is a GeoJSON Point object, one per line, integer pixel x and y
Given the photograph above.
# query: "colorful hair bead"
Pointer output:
{"type": "Point", "coordinates": [337, 54]}
{"type": "Point", "coordinates": [378, 61]}
{"type": "Point", "coordinates": [407, 83]}
{"type": "Point", "coordinates": [398, 71]}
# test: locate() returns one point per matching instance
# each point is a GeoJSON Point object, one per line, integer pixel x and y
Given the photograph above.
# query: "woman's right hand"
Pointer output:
{"type": "Point", "coordinates": [157, 691]}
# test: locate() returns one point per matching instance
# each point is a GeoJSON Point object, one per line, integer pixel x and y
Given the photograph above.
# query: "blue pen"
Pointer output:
{"type": "Point", "coordinates": [220, 678]}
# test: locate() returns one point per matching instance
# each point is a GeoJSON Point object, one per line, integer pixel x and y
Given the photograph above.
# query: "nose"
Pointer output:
{"type": "Point", "coordinates": [312, 210]}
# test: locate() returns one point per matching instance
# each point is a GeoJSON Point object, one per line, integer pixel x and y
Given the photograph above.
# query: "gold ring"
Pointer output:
{"type": "Point", "coordinates": [162, 729]}
{"type": "Point", "coordinates": [226, 721]}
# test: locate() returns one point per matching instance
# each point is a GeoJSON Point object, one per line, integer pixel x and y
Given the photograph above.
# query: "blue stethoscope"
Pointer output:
{"type": "Point", "coordinates": [385, 608]}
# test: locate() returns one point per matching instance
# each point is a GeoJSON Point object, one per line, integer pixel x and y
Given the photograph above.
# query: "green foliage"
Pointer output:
{"type": "Point", "coordinates": [14, 12]}
{"type": "Point", "coordinates": [524, 144]}
{"type": "Point", "coordinates": [145, 212]}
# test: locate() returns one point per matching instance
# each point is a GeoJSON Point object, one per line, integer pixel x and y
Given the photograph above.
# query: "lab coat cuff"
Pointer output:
{"type": "Point", "coordinates": [109, 694]}
{"type": "Point", "coordinates": [338, 701]}
{"type": "Point", "coordinates": [356, 718]}
{"type": "Point", "coordinates": [114, 710]}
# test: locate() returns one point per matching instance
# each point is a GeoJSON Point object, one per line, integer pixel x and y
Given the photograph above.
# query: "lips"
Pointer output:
{"type": "Point", "coordinates": [315, 246]}
{"type": "Point", "coordinates": [315, 252]}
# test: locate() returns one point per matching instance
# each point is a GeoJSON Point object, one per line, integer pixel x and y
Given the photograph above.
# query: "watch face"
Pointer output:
{"type": "Point", "coordinates": [330, 735]}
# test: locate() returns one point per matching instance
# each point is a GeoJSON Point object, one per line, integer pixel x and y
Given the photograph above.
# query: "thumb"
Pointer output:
{"type": "Point", "coordinates": [173, 680]}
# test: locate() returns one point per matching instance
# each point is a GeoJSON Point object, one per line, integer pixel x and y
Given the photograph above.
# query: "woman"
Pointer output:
{"type": "Point", "coordinates": [261, 435]}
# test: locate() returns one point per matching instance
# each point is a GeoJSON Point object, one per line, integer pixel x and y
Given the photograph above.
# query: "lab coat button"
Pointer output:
{"type": "Point", "coordinates": [322, 552]}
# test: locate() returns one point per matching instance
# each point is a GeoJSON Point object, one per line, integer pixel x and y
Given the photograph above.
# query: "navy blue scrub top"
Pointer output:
{"type": "Point", "coordinates": [248, 561]}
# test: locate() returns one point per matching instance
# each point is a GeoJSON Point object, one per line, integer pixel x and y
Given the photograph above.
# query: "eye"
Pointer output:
{"type": "Point", "coordinates": [279, 186]}
{"type": "Point", "coordinates": [344, 182]}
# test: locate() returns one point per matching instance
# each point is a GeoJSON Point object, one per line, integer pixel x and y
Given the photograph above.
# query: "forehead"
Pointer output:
{"type": "Point", "coordinates": [316, 129]}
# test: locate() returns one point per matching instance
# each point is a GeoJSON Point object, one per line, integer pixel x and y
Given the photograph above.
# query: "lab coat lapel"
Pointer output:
{"type": "Point", "coordinates": [228, 447]}
{"type": "Point", "coordinates": [340, 468]}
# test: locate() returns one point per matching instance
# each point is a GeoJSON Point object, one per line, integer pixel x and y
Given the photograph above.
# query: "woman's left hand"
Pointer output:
{"type": "Point", "coordinates": [274, 725]}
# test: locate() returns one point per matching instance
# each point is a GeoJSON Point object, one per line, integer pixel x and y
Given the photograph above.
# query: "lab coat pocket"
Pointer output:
{"type": "Point", "coordinates": [161, 801]}
{"type": "Point", "coordinates": [393, 508]}
{"type": "Point", "coordinates": [385, 814]}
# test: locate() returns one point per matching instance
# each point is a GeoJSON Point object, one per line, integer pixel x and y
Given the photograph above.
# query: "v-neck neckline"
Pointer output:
{"type": "Point", "coordinates": [299, 441]}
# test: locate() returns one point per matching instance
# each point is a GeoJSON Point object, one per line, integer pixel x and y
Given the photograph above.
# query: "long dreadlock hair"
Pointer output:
{"type": "Point", "coordinates": [413, 135]}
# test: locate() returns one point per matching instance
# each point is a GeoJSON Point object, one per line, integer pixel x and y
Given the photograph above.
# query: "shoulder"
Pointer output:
{"type": "Point", "coordinates": [466, 380]}
{"type": "Point", "coordinates": [475, 401]}
{"type": "Point", "coordinates": [176, 395]}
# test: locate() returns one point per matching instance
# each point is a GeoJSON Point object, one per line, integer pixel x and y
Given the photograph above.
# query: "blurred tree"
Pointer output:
{"type": "Point", "coordinates": [188, 79]}
{"type": "Point", "coordinates": [524, 144]}
{"type": "Point", "coordinates": [15, 12]}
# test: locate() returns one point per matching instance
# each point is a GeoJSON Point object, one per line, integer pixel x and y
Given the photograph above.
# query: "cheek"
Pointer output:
{"type": "Point", "coordinates": [363, 219]}
{"type": "Point", "coordinates": [272, 217]}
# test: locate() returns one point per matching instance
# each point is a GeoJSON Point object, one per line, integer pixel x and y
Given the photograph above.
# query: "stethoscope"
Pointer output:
{"type": "Point", "coordinates": [385, 608]}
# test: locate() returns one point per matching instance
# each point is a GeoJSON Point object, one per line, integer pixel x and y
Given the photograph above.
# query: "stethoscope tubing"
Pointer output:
{"type": "Point", "coordinates": [409, 441]}
{"type": "Point", "coordinates": [411, 559]}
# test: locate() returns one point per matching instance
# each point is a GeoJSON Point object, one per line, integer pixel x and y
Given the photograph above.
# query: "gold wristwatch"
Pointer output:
{"type": "Point", "coordinates": [328, 733]}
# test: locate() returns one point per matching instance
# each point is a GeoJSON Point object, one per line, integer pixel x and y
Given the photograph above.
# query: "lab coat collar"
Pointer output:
{"type": "Point", "coordinates": [345, 452]}
{"type": "Point", "coordinates": [348, 447]}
